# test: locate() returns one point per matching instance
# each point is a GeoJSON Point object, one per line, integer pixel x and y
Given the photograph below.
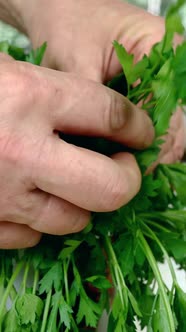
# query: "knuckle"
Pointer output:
{"type": "Point", "coordinates": [13, 77]}
{"type": "Point", "coordinates": [21, 86]}
{"type": "Point", "coordinates": [15, 157]}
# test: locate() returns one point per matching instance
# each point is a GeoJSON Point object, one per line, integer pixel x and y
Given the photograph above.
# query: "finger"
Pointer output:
{"type": "Point", "coordinates": [15, 236]}
{"type": "Point", "coordinates": [175, 151]}
{"type": "Point", "coordinates": [5, 57]}
{"type": "Point", "coordinates": [85, 178]}
{"type": "Point", "coordinates": [49, 214]}
{"type": "Point", "coordinates": [100, 111]}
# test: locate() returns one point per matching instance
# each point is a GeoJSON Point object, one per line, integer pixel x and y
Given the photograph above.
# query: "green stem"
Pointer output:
{"type": "Point", "coordinates": [13, 293]}
{"type": "Point", "coordinates": [134, 93]}
{"type": "Point", "coordinates": [65, 273]}
{"type": "Point", "coordinates": [148, 253]}
{"type": "Point", "coordinates": [35, 283]}
{"type": "Point", "coordinates": [116, 273]}
{"type": "Point", "coordinates": [8, 289]}
{"type": "Point", "coordinates": [65, 270]}
{"type": "Point", "coordinates": [25, 276]}
{"type": "Point", "coordinates": [2, 277]}
{"type": "Point", "coordinates": [154, 237]}
{"type": "Point", "coordinates": [46, 311]}
{"type": "Point", "coordinates": [172, 271]}
{"type": "Point", "coordinates": [152, 311]}
{"type": "Point", "coordinates": [156, 225]}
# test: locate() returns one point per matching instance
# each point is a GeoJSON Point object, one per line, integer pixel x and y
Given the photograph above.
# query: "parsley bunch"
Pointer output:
{"type": "Point", "coordinates": [73, 276]}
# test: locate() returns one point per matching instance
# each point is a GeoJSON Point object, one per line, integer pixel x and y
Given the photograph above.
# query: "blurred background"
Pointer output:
{"type": "Point", "coordinates": [157, 7]}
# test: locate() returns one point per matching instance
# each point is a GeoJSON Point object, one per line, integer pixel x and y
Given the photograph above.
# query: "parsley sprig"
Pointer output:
{"type": "Point", "coordinates": [74, 275]}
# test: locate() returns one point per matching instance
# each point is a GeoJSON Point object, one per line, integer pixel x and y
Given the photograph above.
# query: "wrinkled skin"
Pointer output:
{"type": "Point", "coordinates": [48, 185]}
{"type": "Point", "coordinates": [81, 42]}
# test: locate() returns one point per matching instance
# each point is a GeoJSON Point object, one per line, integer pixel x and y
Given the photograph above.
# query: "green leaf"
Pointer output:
{"type": "Point", "coordinates": [52, 278]}
{"type": "Point", "coordinates": [177, 247]}
{"type": "Point", "coordinates": [99, 282]}
{"type": "Point", "coordinates": [88, 310]}
{"type": "Point", "coordinates": [65, 312]}
{"type": "Point", "coordinates": [134, 304]}
{"type": "Point", "coordinates": [52, 319]}
{"type": "Point", "coordinates": [180, 309]}
{"type": "Point", "coordinates": [71, 246]}
{"type": "Point", "coordinates": [126, 60]}
{"type": "Point", "coordinates": [159, 320]}
{"type": "Point", "coordinates": [177, 178]}
{"type": "Point", "coordinates": [4, 47]}
{"type": "Point", "coordinates": [29, 308]}
{"type": "Point", "coordinates": [173, 18]}
{"type": "Point", "coordinates": [174, 218]}
{"type": "Point", "coordinates": [118, 315]}
{"type": "Point", "coordinates": [146, 302]}
{"type": "Point", "coordinates": [142, 201]}
{"type": "Point", "coordinates": [35, 56]}
{"type": "Point", "coordinates": [164, 192]}
{"type": "Point", "coordinates": [125, 252]}
{"type": "Point", "coordinates": [11, 321]}
{"type": "Point", "coordinates": [166, 101]}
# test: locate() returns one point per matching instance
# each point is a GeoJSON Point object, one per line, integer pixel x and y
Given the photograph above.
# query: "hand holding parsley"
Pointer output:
{"type": "Point", "coordinates": [48, 185]}
{"type": "Point", "coordinates": [129, 241]}
{"type": "Point", "coordinates": [79, 36]}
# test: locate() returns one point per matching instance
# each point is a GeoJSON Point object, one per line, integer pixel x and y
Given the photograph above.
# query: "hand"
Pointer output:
{"type": "Point", "coordinates": [48, 185]}
{"type": "Point", "coordinates": [80, 35]}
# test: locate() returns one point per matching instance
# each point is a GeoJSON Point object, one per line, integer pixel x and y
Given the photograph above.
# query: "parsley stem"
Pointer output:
{"type": "Point", "coordinates": [16, 272]}
{"type": "Point", "coordinates": [156, 225]}
{"type": "Point", "coordinates": [117, 274]}
{"type": "Point", "coordinates": [25, 276]}
{"type": "Point", "coordinates": [152, 312]}
{"type": "Point", "coordinates": [154, 237]}
{"type": "Point", "coordinates": [13, 293]}
{"type": "Point", "coordinates": [36, 279]}
{"type": "Point", "coordinates": [149, 255]}
{"type": "Point", "coordinates": [172, 271]}
{"type": "Point", "coordinates": [65, 272]}
{"type": "Point", "coordinates": [139, 92]}
{"type": "Point", "coordinates": [2, 277]}
{"type": "Point", "coordinates": [46, 311]}
{"type": "Point", "coordinates": [66, 263]}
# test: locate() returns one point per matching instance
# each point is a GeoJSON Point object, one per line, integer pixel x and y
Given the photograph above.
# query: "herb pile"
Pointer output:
{"type": "Point", "coordinates": [69, 288]}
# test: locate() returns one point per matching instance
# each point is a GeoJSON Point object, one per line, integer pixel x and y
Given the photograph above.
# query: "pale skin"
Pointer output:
{"type": "Point", "coordinates": [47, 185]}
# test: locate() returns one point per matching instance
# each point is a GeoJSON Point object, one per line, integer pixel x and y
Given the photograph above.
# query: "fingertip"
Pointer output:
{"type": "Point", "coordinates": [124, 184]}
{"type": "Point", "coordinates": [127, 161]}
{"type": "Point", "coordinates": [129, 124]}
{"type": "Point", "coordinates": [17, 236]}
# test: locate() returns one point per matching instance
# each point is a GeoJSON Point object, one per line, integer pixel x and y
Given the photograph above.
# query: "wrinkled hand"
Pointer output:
{"type": "Point", "coordinates": [80, 35]}
{"type": "Point", "coordinates": [48, 185]}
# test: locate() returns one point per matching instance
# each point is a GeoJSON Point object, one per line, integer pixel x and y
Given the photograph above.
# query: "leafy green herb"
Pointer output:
{"type": "Point", "coordinates": [73, 277]}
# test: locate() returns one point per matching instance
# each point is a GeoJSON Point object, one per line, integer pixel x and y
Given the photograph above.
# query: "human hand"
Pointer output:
{"type": "Point", "coordinates": [80, 35]}
{"type": "Point", "coordinates": [48, 185]}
